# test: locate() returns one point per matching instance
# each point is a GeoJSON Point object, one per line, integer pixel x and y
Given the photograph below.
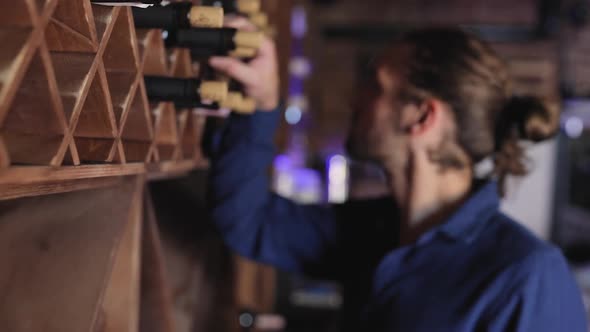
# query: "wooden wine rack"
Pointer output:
{"type": "Point", "coordinates": [72, 93]}
{"type": "Point", "coordinates": [80, 248]}
{"type": "Point", "coordinates": [75, 122]}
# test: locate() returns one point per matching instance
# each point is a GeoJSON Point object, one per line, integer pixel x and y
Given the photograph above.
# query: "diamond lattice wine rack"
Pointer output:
{"type": "Point", "coordinates": [72, 93]}
{"type": "Point", "coordinates": [80, 246]}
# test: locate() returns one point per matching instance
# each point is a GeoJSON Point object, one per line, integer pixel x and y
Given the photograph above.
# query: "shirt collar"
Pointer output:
{"type": "Point", "coordinates": [465, 223]}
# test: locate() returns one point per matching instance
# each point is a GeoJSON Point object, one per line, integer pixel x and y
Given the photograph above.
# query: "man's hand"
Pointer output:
{"type": "Point", "coordinates": [260, 76]}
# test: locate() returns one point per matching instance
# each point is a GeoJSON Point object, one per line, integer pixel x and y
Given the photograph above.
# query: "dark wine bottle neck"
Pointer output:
{"type": "Point", "coordinates": [211, 41]}
{"type": "Point", "coordinates": [179, 15]}
{"type": "Point", "coordinates": [196, 104]}
{"type": "Point", "coordinates": [184, 90]}
{"type": "Point", "coordinates": [147, 2]}
{"type": "Point", "coordinates": [229, 7]}
{"type": "Point", "coordinates": [160, 89]}
{"type": "Point", "coordinates": [173, 16]}
{"type": "Point", "coordinates": [236, 86]}
{"type": "Point", "coordinates": [206, 72]}
{"type": "Point", "coordinates": [245, 7]}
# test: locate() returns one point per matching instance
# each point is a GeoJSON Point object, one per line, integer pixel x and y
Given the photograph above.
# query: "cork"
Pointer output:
{"type": "Point", "coordinates": [236, 102]}
{"type": "Point", "coordinates": [243, 52]}
{"type": "Point", "coordinates": [247, 106]}
{"type": "Point", "coordinates": [233, 99]}
{"type": "Point", "coordinates": [213, 90]}
{"type": "Point", "coordinates": [249, 6]}
{"type": "Point", "coordinates": [252, 39]}
{"type": "Point", "coordinates": [259, 19]}
{"type": "Point", "coordinates": [206, 17]}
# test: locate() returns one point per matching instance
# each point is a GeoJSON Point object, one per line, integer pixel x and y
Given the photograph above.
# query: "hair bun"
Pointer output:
{"type": "Point", "coordinates": [534, 119]}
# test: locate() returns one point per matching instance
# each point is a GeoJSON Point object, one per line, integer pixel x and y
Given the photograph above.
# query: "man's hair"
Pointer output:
{"type": "Point", "coordinates": [466, 73]}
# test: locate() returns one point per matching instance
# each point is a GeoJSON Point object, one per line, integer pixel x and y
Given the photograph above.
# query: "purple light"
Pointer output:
{"type": "Point", "coordinates": [282, 162]}
{"type": "Point", "coordinates": [298, 22]}
{"type": "Point", "coordinates": [300, 67]}
{"type": "Point", "coordinates": [308, 185]}
{"type": "Point", "coordinates": [306, 179]}
{"type": "Point", "coordinates": [296, 86]}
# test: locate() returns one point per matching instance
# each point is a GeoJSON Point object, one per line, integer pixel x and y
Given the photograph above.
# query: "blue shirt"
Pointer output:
{"type": "Point", "coordinates": [478, 271]}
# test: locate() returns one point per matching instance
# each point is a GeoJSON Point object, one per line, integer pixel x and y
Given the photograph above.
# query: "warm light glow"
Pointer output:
{"type": "Point", "coordinates": [337, 179]}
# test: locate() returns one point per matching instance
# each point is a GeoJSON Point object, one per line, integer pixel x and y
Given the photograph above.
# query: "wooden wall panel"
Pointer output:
{"type": "Point", "coordinates": [56, 252]}
{"type": "Point", "coordinates": [120, 307]}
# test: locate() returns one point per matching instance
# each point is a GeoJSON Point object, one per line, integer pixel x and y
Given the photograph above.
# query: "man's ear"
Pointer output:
{"type": "Point", "coordinates": [424, 117]}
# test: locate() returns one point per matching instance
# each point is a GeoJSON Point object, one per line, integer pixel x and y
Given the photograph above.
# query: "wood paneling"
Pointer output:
{"type": "Point", "coordinates": [57, 253]}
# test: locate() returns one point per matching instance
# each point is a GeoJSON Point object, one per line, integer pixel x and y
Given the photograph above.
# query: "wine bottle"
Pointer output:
{"type": "Point", "coordinates": [236, 100]}
{"type": "Point", "coordinates": [178, 15]}
{"type": "Point", "coordinates": [218, 41]}
{"type": "Point", "coordinates": [209, 73]}
{"type": "Point", "coordinates": [147, 2]}
{"type": "Point", "coordinates": [135, 3]}
{"type": "Point", "coordinates": [239, 52]}
{"type": "Point", "coordinates": [185, 90]}
{"type": "Point", "coordinates": [246, 7]}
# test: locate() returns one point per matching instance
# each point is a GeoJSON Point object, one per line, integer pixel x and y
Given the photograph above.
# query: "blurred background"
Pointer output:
{"type": "Point", "coordinates": [324, 46]}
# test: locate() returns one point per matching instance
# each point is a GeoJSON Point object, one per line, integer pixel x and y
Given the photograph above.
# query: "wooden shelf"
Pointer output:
{"type": "Point", "coordinates": [170, 169]}
{"type": "Point", "coordinates": [33, 174]}
{"type": "Point", "coordinates": [24, 181]}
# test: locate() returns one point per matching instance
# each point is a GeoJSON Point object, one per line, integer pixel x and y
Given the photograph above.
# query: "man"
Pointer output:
{"type": "Point", "coordinates": [438, 255]}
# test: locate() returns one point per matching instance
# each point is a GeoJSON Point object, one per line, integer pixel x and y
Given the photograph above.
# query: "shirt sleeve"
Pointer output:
{"type": "Point", "coordinates": [546, 300]}
{"type": "Point", "coordinates": [255, 222]}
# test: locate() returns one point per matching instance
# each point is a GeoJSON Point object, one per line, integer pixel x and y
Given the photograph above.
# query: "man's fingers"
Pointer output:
{"type": "Point", "coordinates": [267, 48]}
{"type": "Point", "coordinates": [235, 69]}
